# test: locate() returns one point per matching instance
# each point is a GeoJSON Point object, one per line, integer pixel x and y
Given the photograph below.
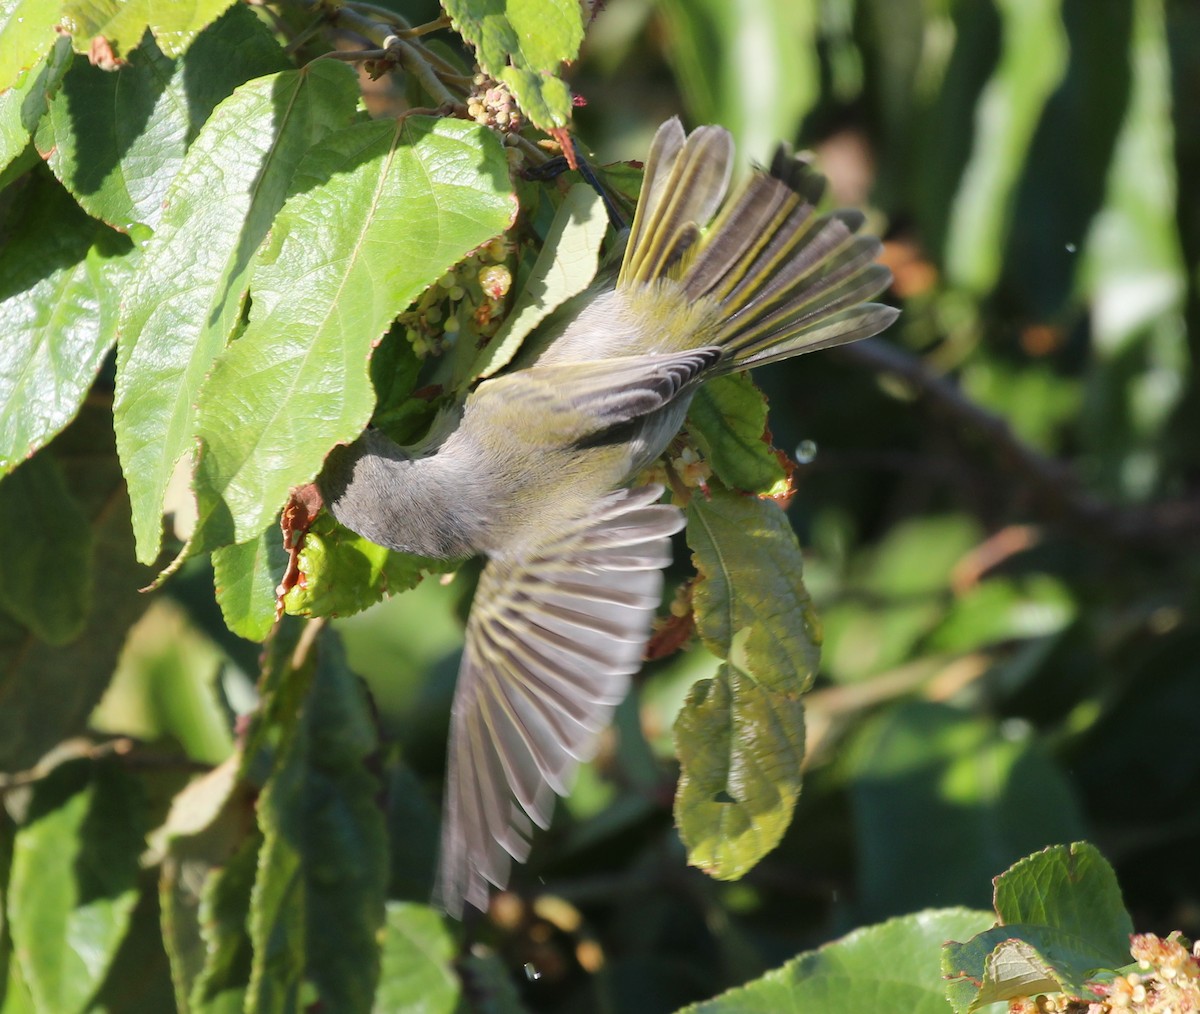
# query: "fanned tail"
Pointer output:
{"type": "Point", "coordinates": [787, 280]}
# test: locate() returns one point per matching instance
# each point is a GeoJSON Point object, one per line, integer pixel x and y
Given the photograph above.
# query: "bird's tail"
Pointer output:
{"type": "Point", "coordinates": [787, 280]}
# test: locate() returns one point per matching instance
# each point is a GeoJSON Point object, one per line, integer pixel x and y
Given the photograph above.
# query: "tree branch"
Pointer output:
{"type": "Point", "coordinates": [1053, 483]}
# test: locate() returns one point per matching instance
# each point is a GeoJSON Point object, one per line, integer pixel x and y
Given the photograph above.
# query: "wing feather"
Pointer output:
{"type": "Point", "coordinates": [551, 643]}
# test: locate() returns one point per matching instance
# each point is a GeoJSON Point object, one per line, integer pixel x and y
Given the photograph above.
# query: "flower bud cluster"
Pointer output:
{"type": "Point", "coordinates": [465, 304]}
{"type": "Point", "coordinates": [493, 105]}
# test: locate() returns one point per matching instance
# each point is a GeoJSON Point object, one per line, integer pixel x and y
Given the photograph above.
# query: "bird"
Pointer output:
{"type": "Point", "coordinates": [535, 471]}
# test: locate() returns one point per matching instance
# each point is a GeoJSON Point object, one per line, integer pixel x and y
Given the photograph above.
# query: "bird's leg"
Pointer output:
{"type": "Point", "coordinates": [560, 164]}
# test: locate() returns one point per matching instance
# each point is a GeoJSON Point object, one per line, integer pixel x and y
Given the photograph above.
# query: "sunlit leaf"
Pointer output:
{"type": "Point", "coordinates": [750, 65]}
{"type": "Point", "coordinates": [417, 973]}
{"type": "Point", "coordinates": [116, 139]}
{"type": "Point", "coordinates": [384, 209]}
{"type": "Point", "coordinates": [523, 43]}
{"type": "Point", "coordinates": [342, 573]}
{"type": "Point", "coordinates": [74, 879]}
{"type": "Point", "coordinates": [892, 967]}
{"type": "Point", "coordinates": [61, 277]}
{"type": "Point", "coordinates": [565, 266]}
{"type": "Point", "coordinates": [1060, 920]}
{"type": "Point", "coordinates": [1032, 62]}
{"type": "Point", "coordinates": [22, 106]}
{"type": "Point", "coordinates": [26, 35]}
{"type": "Point", "coordinates": [185, 300]}
{"type": "Point", "coordinates": [124, 22]}
{"type": "Point", "coordinates": [246, 576]}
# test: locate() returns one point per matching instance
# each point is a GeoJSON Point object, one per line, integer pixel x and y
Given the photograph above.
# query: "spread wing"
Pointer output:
{"type": "Point", "coordinates": [551, 644]}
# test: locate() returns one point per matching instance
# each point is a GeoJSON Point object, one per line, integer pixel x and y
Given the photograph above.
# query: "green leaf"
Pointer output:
{"type": "Point", "coordinates": [1136, 277]}
{"type": "Point", "coordinates": [1061, 919]}
{"type": "Point", "coordinates": [23, 105]}
{"type": "Point", "coordinates": [246, 576]}
{"type": "Point", "coordinates": [48, 692]}
{"type": "Point", "coordinates": [26, 35]}
{"type": "Point", "coordinates": [185, 300]}
{"type": "Point", "coordinates": [417, 973]}
{"type": "Point", "coordinates": [565, 266]}
{"type": "Point", "coordinates": [740, 749]}
{"type": "Point", "coordinates": [386, 208]}
{"type": "Point", "coordinates": [318, 902]}
{"type": "Point", "coordinates": [117, 139]}
{"type": "Point", "coordinates": [46, 546]}
{"type": "Point", "coordinates": [751, 65]}
{"type": "Point", "coordinates": [889, 967]}
{"type": "Point", "coordinates": [728, 421]}
{"type": "Point", "coordinates": [522, 43]}
{"type": "Point", "coordinates": [123, 24]}
{"type": "Point", "coordinates": [740, 736]}
{"type": "Point", "coordinates": [1033, 60]}
{"type": "Point", "coordinates": [207, 844]}
{"type": "Point", "coordinates": [61, 276]}
{"type": "Point", "coordinates": [74, 880]}
{"type": "Point", "coordinates": [751, 577]}
{"type": "Point", "coordinates": [1004, 609]}
{"type": "Point", "coordinates": [223, 916]}
{"type": "Point", "coordinates": [341, 573]}
{"type": "Point", "coordinates": [991, 793]}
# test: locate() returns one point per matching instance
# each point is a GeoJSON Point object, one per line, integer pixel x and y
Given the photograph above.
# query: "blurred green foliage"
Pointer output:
{"type": "Point", "coordinates": [1000, 518]}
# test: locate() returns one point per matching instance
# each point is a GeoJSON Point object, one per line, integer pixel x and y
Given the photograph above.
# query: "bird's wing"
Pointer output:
{"type": "Point", "coordinates": [551, 644]}
{"type": "Point", "coordinates": [578, 400]}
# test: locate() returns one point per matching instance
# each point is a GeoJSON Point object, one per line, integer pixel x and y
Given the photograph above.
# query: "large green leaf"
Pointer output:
{"type": "Point", "coordinates": [386, 208]}
{"type": "Point", "coordinates": [1060, 920]}
{"type": "Point", "coordinates": [751, 65]}
{"type": "Point", "coordinates": [116, 139]}
{"type": "Point", "coordinates": [740, 736]}
{"type": "Point", "coordinates": [318, 902]}
{"type": "Point", "coordinates": [61, 276]}
{"type": "Point", "coordinates": [186, 297]}
{"type": "Point", "coordinates": [74, 881]}
{"type": "Point", "coordinates": [46, 546]}
{"type": "Point", "coordinates": [124, 22]}
{"type": "Point", "coordinates": [26, 35]}
{"type": "Point", "coordinates": [992, 794]}
{"type": "Point", "coordinates": [22, 106]}
{"type": "Point", "coordinates": [892, 967]}
{"type": "Point", "coordinates": [523, 43]}
{"type": "Point", "coordinates": [417, 974]}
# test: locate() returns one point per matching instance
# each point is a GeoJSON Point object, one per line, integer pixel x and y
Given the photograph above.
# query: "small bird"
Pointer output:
{"type": "Point", "coordinates": [532, 471]}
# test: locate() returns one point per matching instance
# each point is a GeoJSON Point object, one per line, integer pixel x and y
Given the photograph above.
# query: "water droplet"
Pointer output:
{"type": "Point", "coordinates": [806, 451]}
{"type": "Point", "coordinates": [531, 973]}
{"type": "Point", "coordinates": [1071, 248]}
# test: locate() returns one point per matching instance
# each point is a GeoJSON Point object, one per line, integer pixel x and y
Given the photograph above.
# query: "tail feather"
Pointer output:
{"type": "Point", "coordinates": [679, 197]}
{"type": "Point", "coordinates": [787, 279]}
